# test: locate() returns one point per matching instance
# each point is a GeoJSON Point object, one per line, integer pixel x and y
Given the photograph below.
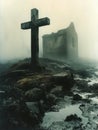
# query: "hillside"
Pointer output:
{"type": "Point", "coordinates": [28, 97]}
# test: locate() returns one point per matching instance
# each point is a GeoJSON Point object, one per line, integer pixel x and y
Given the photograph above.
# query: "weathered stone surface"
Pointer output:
{"type": "Point", "coordinates": [82, 85]}
{"type": "Point", "coordinates": [34, 25]}
{"type": "Point", "coordinates": [61, 125]}
{"type": "Point", "coordinates": [61, 45]}
{"type": "Point", "coordinates": [25, 83]}
{"type": "Point", "coordinates": [34, 94]}
{"type": "Point", "coordinates": [77, 97]}
{"type": "Point", "coordinates": [73, 118]}
{"type": "Point", "coordinates": [57, 90]}
{"type": "Point", "coordinates": [18, 114]}
{"type": "Point", "coordinates": [50, 100]}
{"type": "Point", "coordinates": [36, 109]}
{"type": "Point", "coordinates": [65, 79]}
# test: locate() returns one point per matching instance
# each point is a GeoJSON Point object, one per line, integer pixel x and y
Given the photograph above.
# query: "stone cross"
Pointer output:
{"type": "Point", "coordinates": [34, 25]}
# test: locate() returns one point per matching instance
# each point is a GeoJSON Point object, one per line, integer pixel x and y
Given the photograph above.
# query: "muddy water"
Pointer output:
{"type": "Point", "coordinates": [51, 117]}
{"type": "Point", "coordinates": [61, 115]}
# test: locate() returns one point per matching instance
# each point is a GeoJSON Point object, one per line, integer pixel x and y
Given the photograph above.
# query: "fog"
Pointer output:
{"type": "Point", "coordinates": [15, 43]}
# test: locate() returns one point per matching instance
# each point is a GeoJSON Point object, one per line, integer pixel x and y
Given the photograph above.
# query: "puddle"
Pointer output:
{"type": "Point", "coordinates": [61, 115]}
{"type": "Point", "coordinates": [51, 117]}
{"type": "Point", "coordinates": [96, 73]}
{"type": "Point", "coordinates": [94, 99]}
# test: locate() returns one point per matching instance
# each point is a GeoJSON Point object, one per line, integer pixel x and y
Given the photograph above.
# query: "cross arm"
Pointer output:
{"type": "Point", "coordinates": [26, 25]}
{"type": "Point", "coordinates": [42, 22]}
{"type": "Point", "coordinates": [37, 23]}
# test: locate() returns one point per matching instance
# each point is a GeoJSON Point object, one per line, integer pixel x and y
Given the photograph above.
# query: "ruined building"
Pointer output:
{"type": "Point", "coordinates": [61, 45]}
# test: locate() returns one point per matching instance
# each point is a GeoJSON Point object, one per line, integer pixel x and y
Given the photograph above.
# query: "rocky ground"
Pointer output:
{"type": "Point", "coordinates": [55, 96]}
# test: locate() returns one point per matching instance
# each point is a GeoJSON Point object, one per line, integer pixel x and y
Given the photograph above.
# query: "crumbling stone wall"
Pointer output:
{"type": "Point", "coordinates": [63, 44]}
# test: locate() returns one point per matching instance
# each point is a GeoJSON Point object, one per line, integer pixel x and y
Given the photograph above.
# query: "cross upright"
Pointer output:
{"type": "Point", "coordinates": [34, 25]}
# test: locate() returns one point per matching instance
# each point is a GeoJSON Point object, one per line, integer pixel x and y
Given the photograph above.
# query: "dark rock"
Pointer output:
{"type": "Point", "coordinates": [94, 88]}
{"type": "Point", "coordinates": [50, 100]}
{"type": "Point", "coordinates": [65, 79]}
{"type": "Point", "coordinates": [2, 94]}
{"type": "Point", "coordinates": [20, 114]}
{"type": "Point", "coordinates": [37, 109]}
{"type": "Point", "coordinates": [73, 118]}
{"type": "Point", "coordinates": [35, 80]}
{"type": "Point", "coordinates": [15, 75]}
{"type": "Point", "coordinates": [66, 125]}
{"type": "Point", "coordinates": [77, 97]}
{"type": "Point", "coordinates": [34, 94]}
{"type": "Point", "coordinates": [25, 83]}
{"type": "Point", "coordinates": [57, 91]}
{"type": "Point", "coordinates": [14, 92]}
{"type": "Point", "coordinates": [84, 73]}
{"type": "Point", "coordinates": [82, 85]}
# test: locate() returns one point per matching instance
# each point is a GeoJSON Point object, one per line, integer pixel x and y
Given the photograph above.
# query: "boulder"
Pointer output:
{"type": "Point", "coordinates": [19, 115]}
{"type": "Point", "coordinates": [37, 109]}
{"type": "Point", "coordinates": [65, 125]}
{"type": "Point", "coordinates": [82, 85]}
{"type": "Point", "coordinates": [34, 94]}
{"type": "Point", "coordinates": [94, 88]}
{"type": "Point", "coordinates": [73, 118]}
{"type": "Point", "coordinates": [50, 100]}
{"type": "Point", "coordinates": [57, 91]}
{"type": "Point", "coordinates": [25, 83]}
{"type": "Point", "coordinates": [64, 79]}
{"type": "Point", "coordinates": [77, 97]}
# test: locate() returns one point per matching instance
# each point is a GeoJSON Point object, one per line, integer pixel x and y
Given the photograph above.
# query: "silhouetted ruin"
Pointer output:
{"type": "Point", "coordinates": [61, 45]}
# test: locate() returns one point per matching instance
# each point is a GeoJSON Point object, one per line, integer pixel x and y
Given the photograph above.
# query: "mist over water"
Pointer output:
{"type": "Point", "coordinates": [15, 43]}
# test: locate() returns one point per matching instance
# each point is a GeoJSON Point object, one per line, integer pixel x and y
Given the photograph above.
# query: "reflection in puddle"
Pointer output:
{"type": "Point", "coordinates": [51, 117]}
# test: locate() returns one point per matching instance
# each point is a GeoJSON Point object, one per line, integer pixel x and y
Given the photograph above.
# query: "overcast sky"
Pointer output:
{"type": "Point", "coordinates": [15, 42]}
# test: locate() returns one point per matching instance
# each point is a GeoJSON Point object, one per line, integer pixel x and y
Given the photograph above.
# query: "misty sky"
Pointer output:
{"type": "Point", "coordinates": [15, 43]}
